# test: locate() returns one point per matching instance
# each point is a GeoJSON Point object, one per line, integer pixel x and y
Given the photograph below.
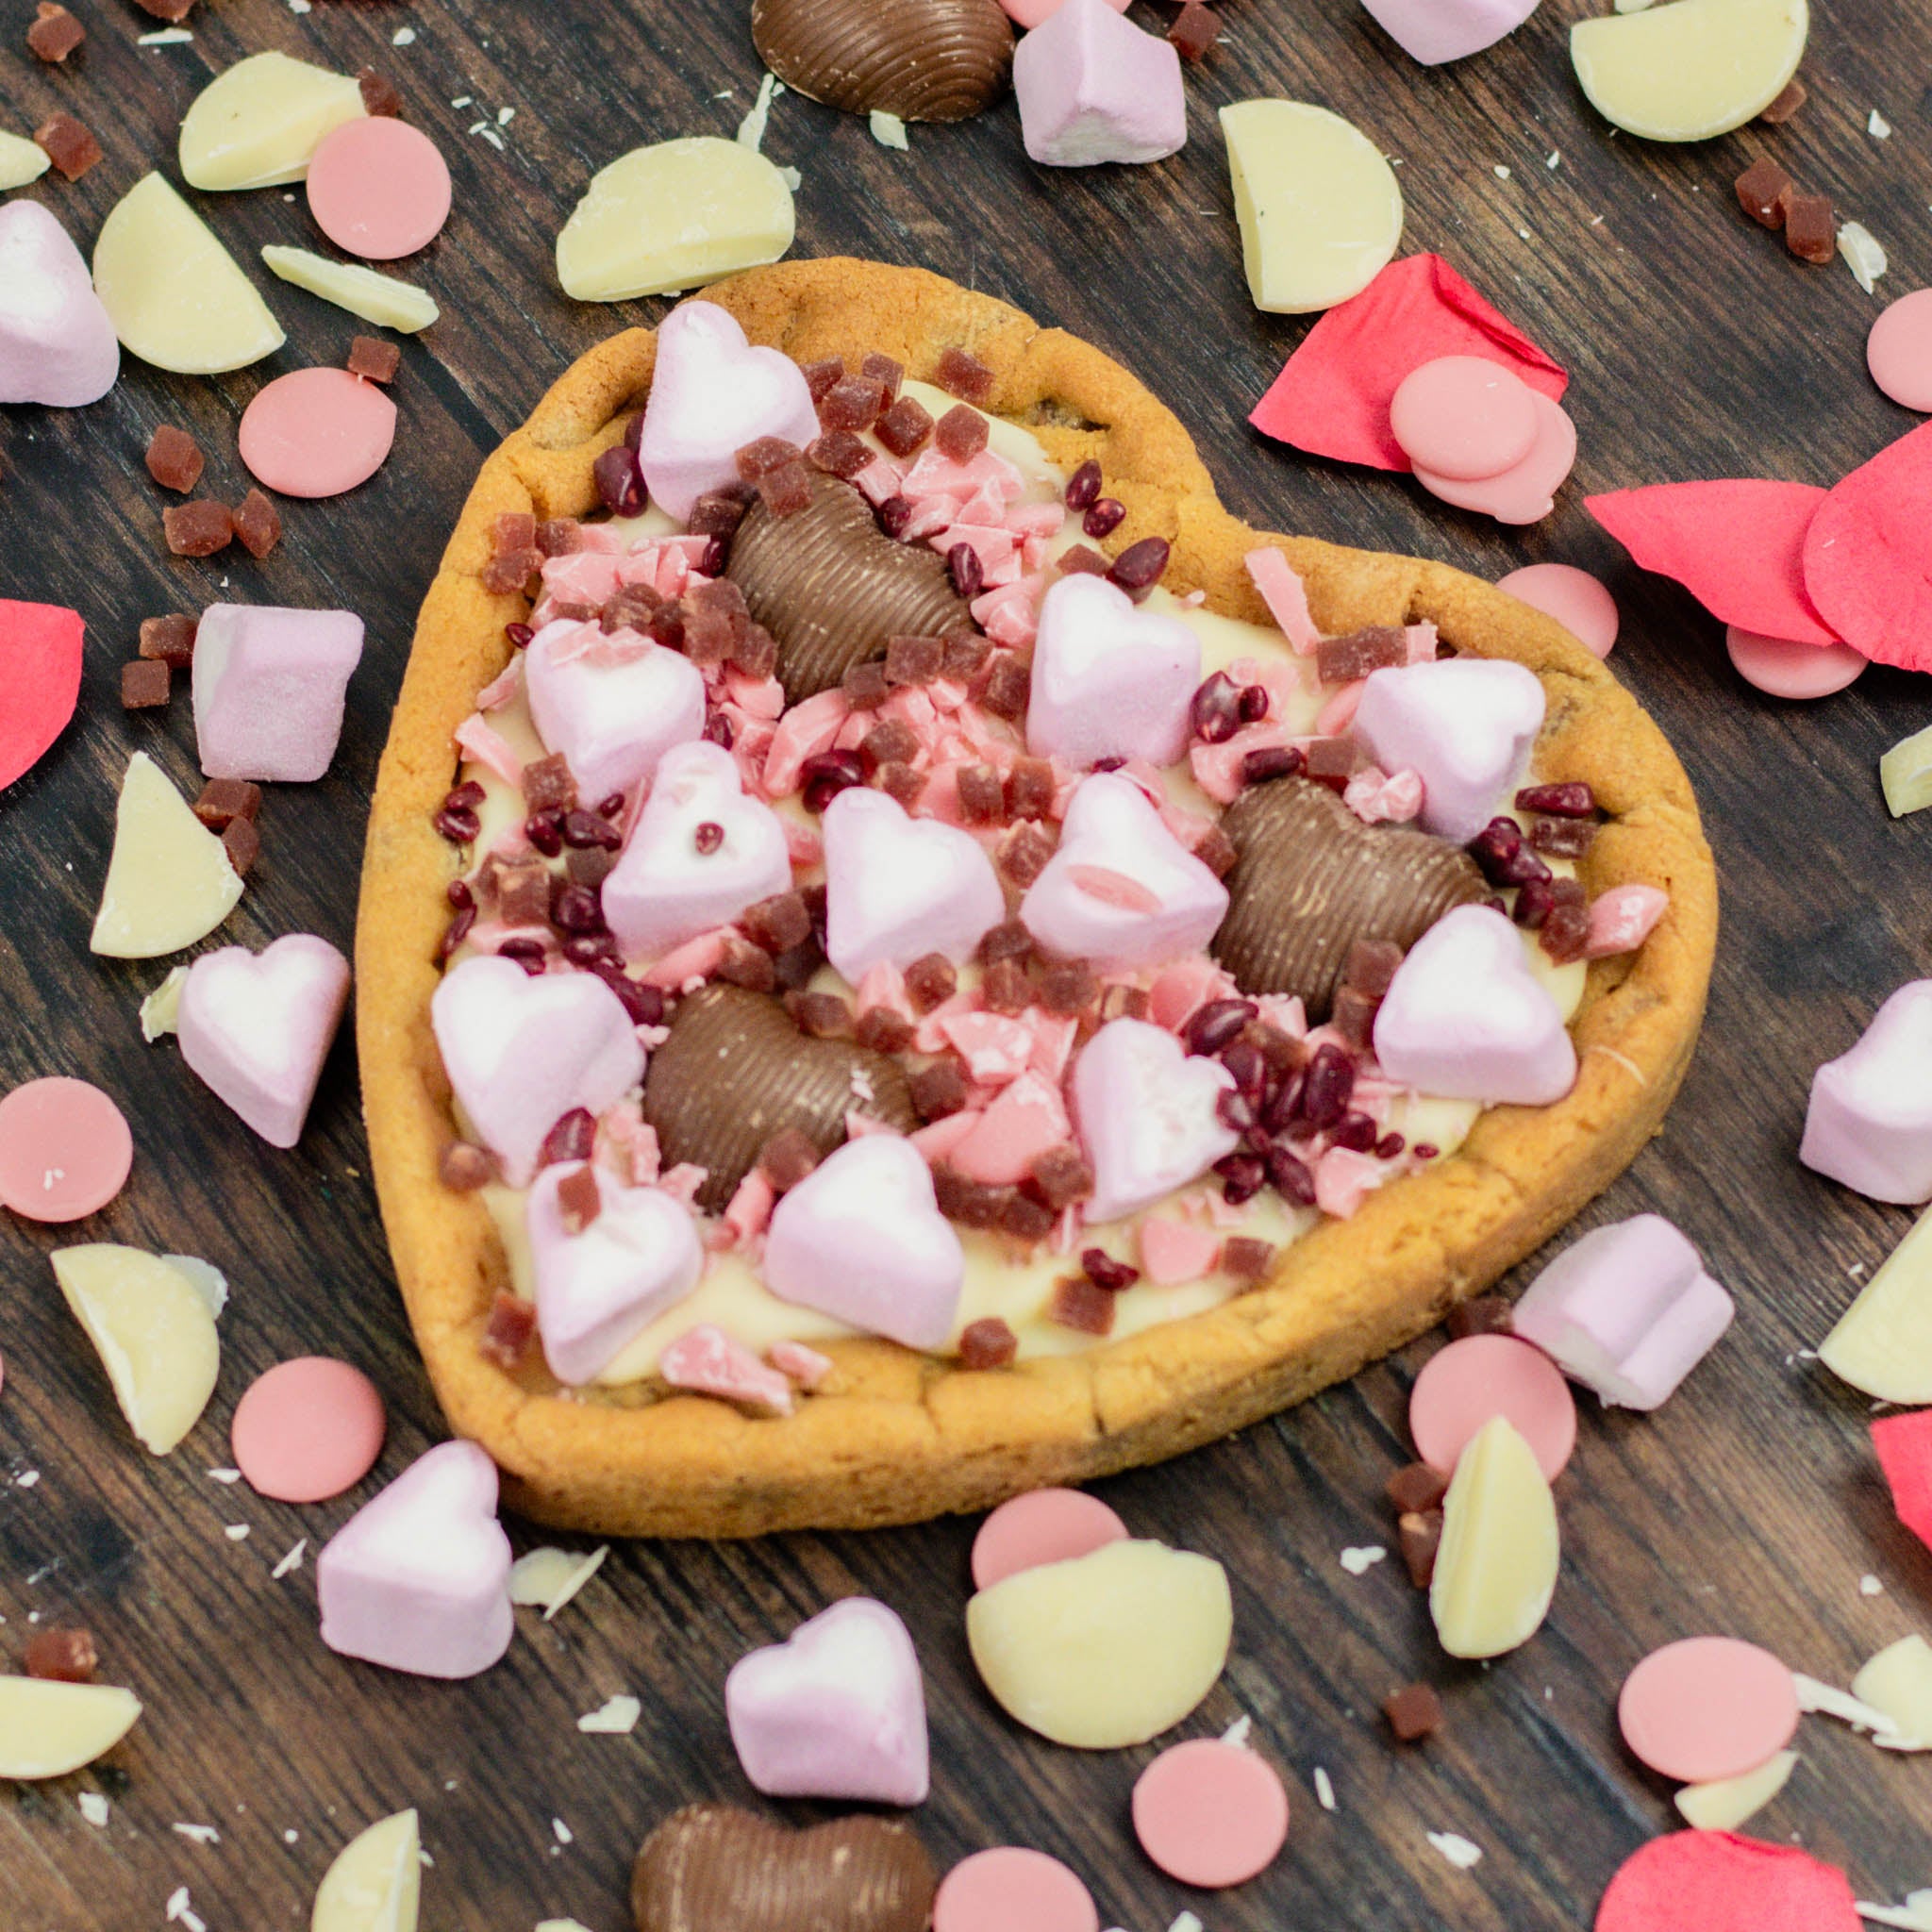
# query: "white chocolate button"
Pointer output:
{"type": "Point", "coordinates": [257, 125]}
{"type": "Point", "coordinates": [176, 296]}
{"type": "Point", "coordinates": [1725, 1804]}
{"type": "Point", "coordinates": [1905, 772]}
{"type": "Point", "coordinates": [21, 160]}
{"type": "Point", "coordinates": [375, 1884]}
{"type": "Point", "coordinates": [1496, 1570]}
{"type": "Point", "coordinates": [375, 297]}
{"type": "Point", "coordinates": [1883, 1342]}
{"type": "Point", "coordinates": [1319, 206]}
{"type": "Point", "coordinates": [48, 1729]}
{"type": "Point", "coordinates": [663, 219]}
{"type": "Point", "coordinates": [1898, 1681]}
{"type": "Point", "coordinates": [154, 1330]}
{"type": "Point", "coordinates": [1691, 69]}
{"type": "Point", "coordinates": [169, 881]}
{"type": "Point", "coordinates": [1105, 1650]}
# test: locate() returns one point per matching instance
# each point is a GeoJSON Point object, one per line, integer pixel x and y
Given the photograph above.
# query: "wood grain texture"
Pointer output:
{"type": "Point", "coordinates": [1749, 1506]}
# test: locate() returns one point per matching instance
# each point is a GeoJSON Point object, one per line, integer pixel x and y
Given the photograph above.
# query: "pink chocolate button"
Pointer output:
{"type": "Point", "coordinates": [1043, 1526]}
{"type": "Point", "coordinates": [307, 1430]}
{"type": "Point", "coordinates": [1480, 1377]}
{"type": "Point", "coordinates": [1526, 491]}
{"type": "Point", "coordinates": [1782, 668]}
{"type": "Point", "coordinates": [64, 1150]}
{"type": "Point", "coordinates": [1898, 351]}
{"type": "Point", "coordinates": [1575, 598]}
{"type": "Point", "coordinates": [1464, 416]}
{"type": "Point", "coordinates": [317, 432]}
{"type": "Point", "coordinates": [379, 188]}
{"type": "Point", "coordinates": [1209, 1813]}
{"type": "Point", "coordinates": [1009, 1889]}
{"type": "Point", "coordinates": [1707, 1708]}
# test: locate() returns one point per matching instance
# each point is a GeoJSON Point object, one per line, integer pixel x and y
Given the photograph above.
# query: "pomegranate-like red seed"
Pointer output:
{"type": "Point", "coordinates": [1103, 1271]}
{"type": "Point", "coordinates": [1329, 1085]}
{"type": "Point", "coordinates": [1233, 1109]}
{"type": "Point", "coordinates": [1389, 1146]}
{"type": "Point", "coordinates": [545, 830]}
{"type": "Point", "coordinates": [1534, 901]}
{"type": "Point", "coordinates": [707, 837]}
{"type": "Point", "coordinates": [1242, 1176]}
{"type": "Point", "coordinates": [519, 634]}
{"type": "Point", "coordinates": [969, 576]}
{"type": "Point", "coordinates": [1424, 1151]}
{"type": "Point", "coordinates": [577, 910]}
{"type": "Point", "coordinates": [1272, 761]}
{"type": "Point", "coordinates": [1290, 1174]}
{"type": "Point", "coordinates": [609, 808]}
{"type": "Point", "coordinates": [465, 797]}
{"type": "Point", "coordinates": [590, 948]}
{"type": "Point", "coordinates": [1574, 800]}
{"type": "Point", "coordinates": [620, 487]}
{"type": "Point", "coordinates": [718, 730]}
{"type": "Point", "coordinates": [1083, 486]}
{"type": "Point", "coordinates": [1218, 1022]}
{"type": "Point", "coordinates": [1355, 1131]}
{"type": "Point", "coordinates": [1140, 566]}
{"type": "Point", "coordinates": [894, 514]}
{"type": "Point", "coordinates": [1104, 515]}
{"type": "Point", "coordinates": [828, 773]}
{"type": "Point", "coordinates": [1254, 702]}
{"type": "Point", "coordinates": [457, 931]}
{"type": "Point", "coordinates": [1249, 1066]}
{"type": "Point", "coordinates": [573, 1138]}
{"type": "Point", "coordinates": [645, 1004]}
{"type": "Point", "coordinates": [458, 824]}
{"type": "Point", "coordinates": [459, 893]}
{"type": "Point", "coordinates": [527, 953]}
{"type": "Point", "coordinates": [1216, 710]}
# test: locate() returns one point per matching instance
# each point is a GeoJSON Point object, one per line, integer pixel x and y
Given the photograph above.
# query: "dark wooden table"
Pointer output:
{"type": "Point", "coordinates": [1749, 1506]}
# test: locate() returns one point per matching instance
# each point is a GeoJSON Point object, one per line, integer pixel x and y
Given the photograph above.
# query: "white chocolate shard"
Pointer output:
{"type": "Point", "coordinates": [169, 879]}
{"type": "Point", "coordinates": [549, 1580]}
{"type": "Point", "coordinates": [1691, 69]}
{"type": "Point", "coordinates": [1883, 1342]}
{"type": "Point", "coordinates": [375, 1884]}
{"type": "Point", "coordinates": [1898, 1681]}
{"type": "Point", "coordinates": [21, 160]}
{"type": "Point", "coordinates": [377, 298]}
{"type": "Point", "coordinates": [257, 124]}
{"type": "Point", "coordinates": [1905, 772]}
{"type": "Point", "coordinates": [48, 1729]}
{"type": "Point", "coordinates": [154, 1333]}
{"type": "Point", "coordinates": [1819, 1699]}
{"type": "Point", "coordinates": [1496, 1570]}
{"type": "Point", "coordinates": [616, 1717]}
{"type": "Point", "coordinates": [161, 1009]}
{"type": "Point", "coordinates": [1725, 1804]}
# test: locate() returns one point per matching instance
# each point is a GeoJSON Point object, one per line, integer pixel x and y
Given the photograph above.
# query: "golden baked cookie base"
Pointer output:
{"type": "Point", "coordinates": [893, 1436]}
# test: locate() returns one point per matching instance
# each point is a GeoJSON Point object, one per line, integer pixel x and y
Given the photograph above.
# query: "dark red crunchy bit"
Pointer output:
{"type": "Point", "coordinates": [963, 374]}
{"type": "Point", "coordinates": [1764, 190]}
{"type": "Point", "coordinates": [166, 9]}
{"type": "Point", "coordinates": [820, 377]}
{"type": "Point", "coordinates": [883, 1030]}
{"type": "Point", "coordinates": [1372, 965]}
{"type": "Point", "coordinates": [1811, 233]}
{"type": "Point", "coordinates": [1068, 988]}
{"type": "Point", "coordinates": [930, 981]}
{"type": "Point", "coordinates": [630, 607]}
{"type": "Point", "coordinates": [1195, 29]}
{"type": "Point", "coordinates": [1077, 1303]}
{"type": "Point", "coordinates": [259, 524]}
{"type": "Point", "coordinates": [883, 369]}
{"type": "Point", "coordinates": [786, 489]}
{"type": "Point", "coordinates": [510, 1329]}
{"type": "Point", "coordinates": [1419, 1535]}
{"type": "Point", "coordinates": [560, 536]}
{"type": "Point", "coordinates": [780, 923]}
{"type": "Point", "coordinates": [973, 1204]}
{"type": "Point", "coordinates": [904, 427]}
{"type": "Point", "coordinates": [1574, 800]}
{"type": "Point", "coordinates": [379, 96]}
{"type": "Point", "coordinates": [891, 741]}
{"type": "Point", "coordinates": [756, 653]}
{"type": "Point", "coordinates": [746, 965]}
{"type": "Point", "coordinates": [242, 843]}
{"type": "Point", "coordinates": [199, 528]}
{"type": "Point", "coordinates": [987, 1343]}
{"type": "Point", "coordinates": [1104, 1270]}
{"type": "Point", "coordinates": [965, 657]}
{"type": "Point", "coordinates": [1568, 924]}
{"type": "Point", "coordinates": [375, 360]}
{"type": "Point", "coordinates": [174, 459]}
{"type": "Point", "coordinates": [982, 797]}
{"type": "Point", "coordinates": [1030, 789]}
{"type": "Point", "coordinates": [170, 639]}
{"type": "Point", "coordinates": [719, 512]}
{"type": "Point", "coordinates": [820, 1015]}
{"type": "Point", "coordinates": [1415, 1486]}
{"type": "Point", "coordinates": [914, 660]}
{"type": "Point", "coordinates": [1414, 1712]}
{"type": "Point", "coordinates": [865, 686]}
{"type": "Point", "coordinates": [522, 894]}
{"type": "Point", "coordinates": [578, 1199]}
{"type": "Point", "coordinates": [1024, 853]}
{"type": "Point", "coordinates": [1331, 760]}
{"type": "Point", "coordinates": [962, 433]}
{"type": "Point", "coordinates": [224, 800]}
{"type": "Point", "coordinates": [1023, 1218]}
{"type": "Point", "coordinates": [1082, 559]}
{"type": "Point", "coordinates": [464, 1167]}
{"type": "Point", "coordinates": [938, 1089]}
{"type": "Point", "coordinates": [1006, 987]}
{"type": "Point", "coordinates": [1562, 838]}
{"type": "Point", "coordinates": [145, 684]}
{"type": "Point", "coordinates": [1482, 1314]}
{"type": "Point", "coordinates": [1794, 97]}
{"type": "Point", "coordinates": [839, 453]}
{"type": "Point", "coordinates": [1375, 647]}
{"type": "Point", "coordinates": [1006, 686]}
{"type": "Point", "coordinates": [548, 784]}
{"type": "Point", "coordinates": [67, 145]}
{"type": "Point", "coordinates": [787, 1157]}
{"type": "Point", "coordinates": [55, 33]}
{"type": "Point", "coordinates": [854, 402]}
{"type": "Point", "coordinates": [765, 453]}
{"type": "Point", "coordinates": [62, 1656]}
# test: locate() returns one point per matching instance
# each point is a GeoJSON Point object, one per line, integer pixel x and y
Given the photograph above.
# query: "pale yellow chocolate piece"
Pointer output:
{"type": "Point", "coordinates": [1691, 69]}
{"type": "Point", "coordinates": [155, 1332]}
{"type": "Point", "coordinates": [1107, 1650]}
{"type": "Point", "coordinates": [21, 160]}
{"type": "Point", "coordinates": [1725, 1803]}
{"type": "Point", "coordinates": [377, 298]}
{"type": "Point", "coordinates": [1496, 1570]}
{"type": "Point", "coordinates": [48, 1729]}
{"type": "Point", "coordinates": [160, 1012]}
{"type": "Point", "coordinates": [176, 296]}
{"type": "Point", "coordinates": [258, 124]}
{"type": "Point", "coordinates": [375, 1884]}
{"type": "Point", "coordinates": [665, 218]}
{"type": "Point", "coordinates": [169, 879]}
{"type": "Point", "coordinates": [1883, 1342]}
{"type": "Point", "coordinates": [1898, 1681]}
{"type": "Point", "coordinates": [1906, 771]}
{"type": "Point", "coordinates": [1319, 206]}
{"type": "Point", "coordinates": [550, 1579]}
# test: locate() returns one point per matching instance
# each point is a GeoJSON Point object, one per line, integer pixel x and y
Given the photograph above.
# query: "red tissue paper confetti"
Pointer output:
{"type": "Point", "coordinates": [39, 681]}
{"type": "Point", "coordinates": [1903, 1443]}
{"type": "Point", "coordinates": [1715, 1881]}
{"type": "Point", "coordinates": [1736, 546]}
{"type": "Point", "coordinates": [1332, 396]}
{"type": "Point", "coordinates": [1868, 555]}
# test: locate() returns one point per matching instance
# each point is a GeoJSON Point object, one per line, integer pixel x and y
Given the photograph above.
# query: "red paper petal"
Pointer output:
{"type": "Point", "coordinates": [1903, 1443]}
{"type": "Point", "coordinates": [1715, 1881]}
{"type": "Point", "coordinates": [39, 681]}
{"type": "Point", "coordinates": [1868, 557]}
{"type": "Point", "coordinates": [1332, 398]}
{"type": "Point", "coordinates": [1738, 547]}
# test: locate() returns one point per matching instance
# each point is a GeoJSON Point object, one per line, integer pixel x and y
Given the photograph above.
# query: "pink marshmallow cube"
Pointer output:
{"type": "Point", "coordinates": [1149, 1116]}
{"type": "Point", "coordinates": [1435, 31]}
{"type": "Point", "coordinates": [57, 345]}
{"type": "Point", "coordinates": [1110, 680]}
{"type": "Point", "coordinates": [269, 688]}
{"type": "Point", "coordinates": [1869, 1120]}
{"type": "Point", "coordinates": [1092, 87]}
{"type": "Point", "coordinates": [612, 719]}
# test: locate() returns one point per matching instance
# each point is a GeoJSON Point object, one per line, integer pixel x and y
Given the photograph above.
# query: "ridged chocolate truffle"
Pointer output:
{"type": "Point", "coordinates": [919, 59]}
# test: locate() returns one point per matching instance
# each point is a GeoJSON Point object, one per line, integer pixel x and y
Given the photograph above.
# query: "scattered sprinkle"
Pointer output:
{"type": "Point", "coordinates": [236, 1532]}
{"type": "Point", "coordinates": [179, 1911]}
{"type": "Point", "coordinates": [300, 6]}
{"type": "Point", "coordinates": [464, 101]}
{"type": "Point", "coordinates": [1878, 127]}
{"type": "Point", "coordinates": [1553, 160]}
{"type": "Point", "coordinates": [791, 179]}
{"type": "Point", "coordinates": [888, 130]}
{"type": "Point", "coordinates": [1455, 1848]}
{"type": "Point", "coordinates": [1325, 1790]}
{"type": "Point", "coordinates": [224, 1475]}
{"type": "Point", "coordinates": [505, 116]}
{"type": "Point", "coordinates": [489, 133]}
{"type": "Point", "coordinates": [1237, 1733]}
{"type": "Point", "coordinates": [290, 1837]}
{"type": "Point", "coordinates": [616, 1718]}
{"type": "Point", "coordinates": [27, 1479]}
{"type": "Point", "coordinates": [564, 1835]}
{"type": "Point", "coordinates": [1870, 1586]}
{"type": "Point", "coordinates": [552, 1577]}
{"type": "Point", "coordinates": [93, 1807]}
{"type": "Point", "coordinates": [751, 131]}
{"type": "Point", "coordinates": [1187, 1922]}
{"type": "Point", "coordinates": [1361, 1560]}
{"type": "Point", "coordinates": [201, 1834]}
{"type": "Point", "coordinates": [1500, 172]}
{"type": "Point", "coordinates": [1863, 255]}
{"type": "Point", "coordinates": [174, 36]}
{"type": "Point", "coordinates": [403, 37]}
{"type": "Point", "coordinates": [292, 1561]}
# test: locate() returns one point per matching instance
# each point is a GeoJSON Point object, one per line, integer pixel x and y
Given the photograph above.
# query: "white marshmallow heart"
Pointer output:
{"type": "Point", "coordinates": [1110, 681]}
{"type": "Point", "coordinates": [257, 1030]}
{"type": "Point", "coordinates": [861, 1238]}
{"type": "Point", "coordinates": [598, 1289]}
{"type": "Point", "coordinates": [1869, 1120]}
{"type": "Point", "coordinates": [838, 1710]}
{"type": "Point", "coordinates": [700, 853]}
{"type": "Point", "coordinates": [712, 394]}
{"type": "Point", "coordinates": [1465, 1019]}
{"type": "Point", "coordinates": [898, 887]}
{"type": "Point", "coordinates": [1465, 726]}
{"type": "Point", "coordinates": [57, 345]}
{"type": "Point", "coordinates": [522, 1052]}
{"type": "Point", "coordinates": [1121, 890]}
{"type": "Point", "coordinates": [1148, 1115]}
{"type": "Point", "coordinates": [612, 716]}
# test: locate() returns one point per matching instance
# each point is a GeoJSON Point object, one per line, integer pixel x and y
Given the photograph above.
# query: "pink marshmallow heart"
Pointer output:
{"type": "Point", "coordinates": [1627, 1311]}
{"type": "Point", "coordinates": [57, 345]}
{"type": "Point", "coordinates": [598, 1289]}
{"type": "Point", "coordinates": [522, 1053]}
{"type": "Point", "coordinates": [1148, 1114]}
{"type": "Point", "coordinates": [1121, 890]}
{"type": "Point", "coordinates": [700, 853]}
{"type": "Point", "coordinates": [612, 716]}
{"type": "Point", "coordinates": [1465, 726]}
{"type": "Point", "coordinates": [1110, 681]}
{"type": "Point", "coordinates": [898, 887]}
{"type": "Point", "coordinates": [269, 688]}
{"type": "Point", "coordinates": [1869, 1120]}
{"type": "Point", "coordinates": [1434, 31]}
{"type": "Point", "coordinates": [418, 1579]}
{"type": "Point", "coordinates": [712, 394]}
{"type": "Point", "coordinates": [861, 1238]}
{"type": "Point", "coordinates": [838, 1710]}
{"type": "Point", "coordinates": [1092, 87]}
{"type": "Point", "coordinates": [256, 1030]}
{"type": "Point", "coordinates": [1465, 1019]}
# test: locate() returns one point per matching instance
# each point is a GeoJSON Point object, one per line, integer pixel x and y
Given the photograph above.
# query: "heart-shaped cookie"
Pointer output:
{"type": "Point", "coordinates": [1148, 1115]}
{"type": "Point", "coordinates": [1110, 681]}
{"type": "Point", "coordinates": [714, 1868]}
{"type": "Point", "coordinates": [613, 715]}
{"type": "Point", "coordinates": [1869, 1120]}
{"type": "Point", "coordinates": [57, 345]}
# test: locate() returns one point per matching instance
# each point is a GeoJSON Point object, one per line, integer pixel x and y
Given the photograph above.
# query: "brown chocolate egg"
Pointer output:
{"type": "Point", "coordinates": [1309, 878]}
{"type": "Point", "coordinates": [713, 1868]}
{"type": "Point", "coordinates": [919, 59]}
{"type": "Point", "coordinates": [831, 587]}
{"type": "Point", "coordinates": [735, 1071]}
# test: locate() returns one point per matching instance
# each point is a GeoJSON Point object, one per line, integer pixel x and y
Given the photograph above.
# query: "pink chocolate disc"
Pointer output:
{"type": "Point", "coordinates": [1707, 1708]}
{"type": "Point", "coordinates": [379, 188]}
{"type": "Point", "coordinates": [1043, 1526]}
{"type": "Point", "coordinates": [317, 432]}
{"type": "Point", "coordinates": [1480, 1377]}
{"type": "Point", "coordinates": [307, 1430]}
{"type": "Point", "coordinates": [65, 1150]}
{"type": "Point", "coordinates": [1782, 668]}
{"type": "Point", "coordinates": [1009, 1889]}
{"type": "Point", "coordinates": [1526, 492]}
{"type": "Point", "coordinates": [1209, 1813]}
{"type": "Point", "coordinates": [1576, 599]}
{"type": "Point", "coordinates": [1898, 351]}
{"type": "Point", "coordinates": [1463, 416]}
